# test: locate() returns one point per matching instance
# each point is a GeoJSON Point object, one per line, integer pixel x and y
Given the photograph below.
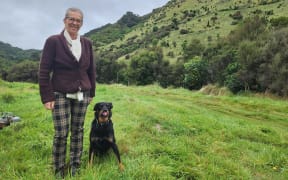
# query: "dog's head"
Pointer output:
{"type": "Point", "coordinates": [103, 111]}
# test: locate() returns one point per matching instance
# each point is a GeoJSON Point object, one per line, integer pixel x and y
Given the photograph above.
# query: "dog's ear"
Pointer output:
{"type": "Point", "coordinates": [110, 105]}
{"type": "Point", "coordinates": [97, 106]}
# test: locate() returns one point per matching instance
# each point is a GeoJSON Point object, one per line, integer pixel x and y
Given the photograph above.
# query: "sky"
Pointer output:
{"type": "Point", "coordinates": [27, 23]}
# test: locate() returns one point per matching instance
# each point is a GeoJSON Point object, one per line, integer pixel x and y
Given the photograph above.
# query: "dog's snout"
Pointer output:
{"type": "Point", "coordinates": [105, 108]}
{"type": "Point", "coordinates": [104, 113]}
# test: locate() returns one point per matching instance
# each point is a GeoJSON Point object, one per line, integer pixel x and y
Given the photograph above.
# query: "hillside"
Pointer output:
{"type": "Point", "coordinates": [180, 21]}
{"type": "Point", "coordinates": [236, 44]}
{"type": "Point", "coordinates": [10, 55]}
{"type": "Point", "coordinates": [191, 43]}
{"type": "Point", "coordinates": [161, 133]}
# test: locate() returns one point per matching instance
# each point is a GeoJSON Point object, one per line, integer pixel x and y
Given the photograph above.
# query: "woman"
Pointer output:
{"type": "Point", "coordinates": [67, 86]}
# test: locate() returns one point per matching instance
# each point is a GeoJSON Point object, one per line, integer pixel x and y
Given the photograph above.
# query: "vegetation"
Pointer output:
{"type": "Point", "coordinates": [224, 49]}
{"type": "Point", "coordinates": [241, 57]}
{"type": "Point", "coordinates": [161, 133]}
{"type": "Point", "coordinates": [252, 57]}
{"type": "Point", "coordinates": [112, 32]}
{"type": "Point", "coordinates": [17, 64]}
{"type": "Point", "coordinates": [187, 43]}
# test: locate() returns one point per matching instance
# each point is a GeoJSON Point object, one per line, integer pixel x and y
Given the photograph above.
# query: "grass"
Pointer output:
{"type": "Point", "coordinates": [161, 134]}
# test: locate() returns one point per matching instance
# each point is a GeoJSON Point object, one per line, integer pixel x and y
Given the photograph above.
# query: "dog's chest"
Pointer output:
{"type": "Point", "coordinates": [101, 134]}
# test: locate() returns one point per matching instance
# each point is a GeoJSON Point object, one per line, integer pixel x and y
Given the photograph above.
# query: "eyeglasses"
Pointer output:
{"type": "Point", "coordinates": [74, 20]}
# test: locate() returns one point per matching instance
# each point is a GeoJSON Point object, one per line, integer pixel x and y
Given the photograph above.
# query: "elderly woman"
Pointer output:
{"type": "Point", "coordinates": [67, 86]}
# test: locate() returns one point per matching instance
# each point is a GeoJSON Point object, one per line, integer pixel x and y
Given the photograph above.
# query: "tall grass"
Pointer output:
{"type": "Point", "coordinates": [161, 133]}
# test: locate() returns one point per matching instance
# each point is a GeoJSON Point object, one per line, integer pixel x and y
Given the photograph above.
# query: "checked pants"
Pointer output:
{"type": "Point", "coordinates": [68, 113]}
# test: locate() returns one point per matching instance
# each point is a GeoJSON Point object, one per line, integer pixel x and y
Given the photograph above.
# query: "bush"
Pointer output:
{"type": "Point", "coordinates": [231, 77]}
{"type": "Point", "coordinates": [155, 29]}
{"type": "Point", "coordinates": [195, 73]}
{"type": "Point", "coordinates": [279, 22]}
{"type": "Point", "coordinates": [184, 31]}
{"type": "Point", "coordinates": [237, 15]}
{"type": "Point", "coordinates": [24, 71]}
{"type": "Point", "coordinates": [194, 48]}
{"type": "Point", "coordinates": [234, 84]}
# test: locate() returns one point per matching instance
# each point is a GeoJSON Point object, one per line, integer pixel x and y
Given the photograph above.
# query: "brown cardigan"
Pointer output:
{"type": "Point", "coordinates": [60, 71]}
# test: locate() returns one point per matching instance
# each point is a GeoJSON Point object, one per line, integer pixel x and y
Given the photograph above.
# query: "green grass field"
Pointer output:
{"type": "Point", "coordinates": [161, 133]}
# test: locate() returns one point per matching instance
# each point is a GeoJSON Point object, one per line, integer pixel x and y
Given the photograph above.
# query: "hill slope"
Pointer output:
{"type": "Point", "coordinates": [10, 55]}
{"type": "Point", "coordinates": [162, 134]}
{"type": "Point", "coordinates": [180, 21]}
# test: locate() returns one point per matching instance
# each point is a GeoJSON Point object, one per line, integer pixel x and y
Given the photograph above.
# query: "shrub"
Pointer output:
{"type": "Point", "coordinates": [195, 73]}
{"type": "Point", "coordinates": [155, 29]}
{"type": "Point", "coordinates": [279, 22]}
{"type": "Point", "coordinates": [24, 71]}
{"type": "Point", "coordinates": [184, 31]}
{"type": "Point", "coordinates": [237, 15]}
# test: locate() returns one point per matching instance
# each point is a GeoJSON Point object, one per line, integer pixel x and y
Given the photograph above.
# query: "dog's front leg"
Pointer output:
{"type": "Point", "coordinates": [116, 152]}
{"type": "Point", "coordinates": [91, 157]}
{"type": "Point", "coordinates": [121, 167]}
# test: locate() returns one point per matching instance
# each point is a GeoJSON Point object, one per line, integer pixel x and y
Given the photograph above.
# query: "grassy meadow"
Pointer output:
{"type": "Point", "coordinates": [161, 133]}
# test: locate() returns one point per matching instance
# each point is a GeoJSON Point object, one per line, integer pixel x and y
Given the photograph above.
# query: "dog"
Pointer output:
{"type": "Point", "coordinates": [102, 136]}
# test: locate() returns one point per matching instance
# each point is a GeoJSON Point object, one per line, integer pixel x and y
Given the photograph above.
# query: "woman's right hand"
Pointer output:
{"type": "Point", "coordinates": [49, 105]}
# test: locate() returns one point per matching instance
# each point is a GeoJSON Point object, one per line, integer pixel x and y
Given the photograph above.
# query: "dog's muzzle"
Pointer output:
{"type": "Point", "coordinates": [104, 113]}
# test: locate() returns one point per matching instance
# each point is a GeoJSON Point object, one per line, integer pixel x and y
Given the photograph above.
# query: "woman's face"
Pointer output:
{"type": "Point", "coordinates": [73, 23]}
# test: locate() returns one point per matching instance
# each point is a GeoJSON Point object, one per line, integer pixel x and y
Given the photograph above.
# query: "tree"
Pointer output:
{"type": "Point", "coordinates": [129, 19]}
{"type": "Point", "coordinates": [195, 48]}
{"type": "Point", "coordinates": [24, 71]}
{"type": "Point", "coordinates": [107, 68]}
{"type": "Point", "coordinates": [141, 71]}
{"type": "Point", "coordinates": [195, 73]}
{"type": "Point", "coordinates": [248, 58]}
{"type": "Point", "coordinates": [251, 29]}
{"type": "Point", "coordinates": [218, 59]}
{"type": "Point", "coordinates": [232, 80]}
{"type": "Point", "coordinates": [273, 71]}
{"type": "Point", "coordinates": [148, 67]}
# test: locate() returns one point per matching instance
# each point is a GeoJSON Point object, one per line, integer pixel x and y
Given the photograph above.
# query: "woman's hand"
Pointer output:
{"type": "Point", "coordinates": [49, 105]}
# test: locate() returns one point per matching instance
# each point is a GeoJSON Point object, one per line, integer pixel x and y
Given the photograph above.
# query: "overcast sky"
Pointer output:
{"type": "Point", "coordinates": [27, 23]}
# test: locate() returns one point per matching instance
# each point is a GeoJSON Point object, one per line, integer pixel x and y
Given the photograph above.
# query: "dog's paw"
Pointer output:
{"type": "Point", "coordinates": [121, 167]}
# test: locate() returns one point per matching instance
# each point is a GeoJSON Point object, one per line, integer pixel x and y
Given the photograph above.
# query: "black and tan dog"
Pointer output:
{"type": "Point", "coordinates": [102, 136]}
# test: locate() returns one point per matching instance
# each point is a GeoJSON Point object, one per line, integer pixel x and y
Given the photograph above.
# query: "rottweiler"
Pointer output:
{"type": "Point", "coordinates": [102, 136]}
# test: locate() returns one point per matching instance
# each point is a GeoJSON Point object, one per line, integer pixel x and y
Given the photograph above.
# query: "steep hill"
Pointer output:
{"type": "Point", "coordinates": [180, 21]}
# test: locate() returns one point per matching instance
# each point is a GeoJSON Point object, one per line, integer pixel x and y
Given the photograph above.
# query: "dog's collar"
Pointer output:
{"type": "Point", "coordinates": [102, 124]}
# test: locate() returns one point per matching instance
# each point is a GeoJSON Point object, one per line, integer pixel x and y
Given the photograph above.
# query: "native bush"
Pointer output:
{"type": "Point", "coordinates": [194, 48]}
{"type": "Point", "coordinates": [26, 71]}
{"type": "Point", "coordinates": [279, 22]}
{"type": "Point", "coordinates": [232, 81]}
{"type": "Point", "coordinates": [195, 73]}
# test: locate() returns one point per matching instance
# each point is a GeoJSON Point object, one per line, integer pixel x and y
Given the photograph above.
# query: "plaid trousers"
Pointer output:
{"type": "Point", "coordinates": [68, 111]}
